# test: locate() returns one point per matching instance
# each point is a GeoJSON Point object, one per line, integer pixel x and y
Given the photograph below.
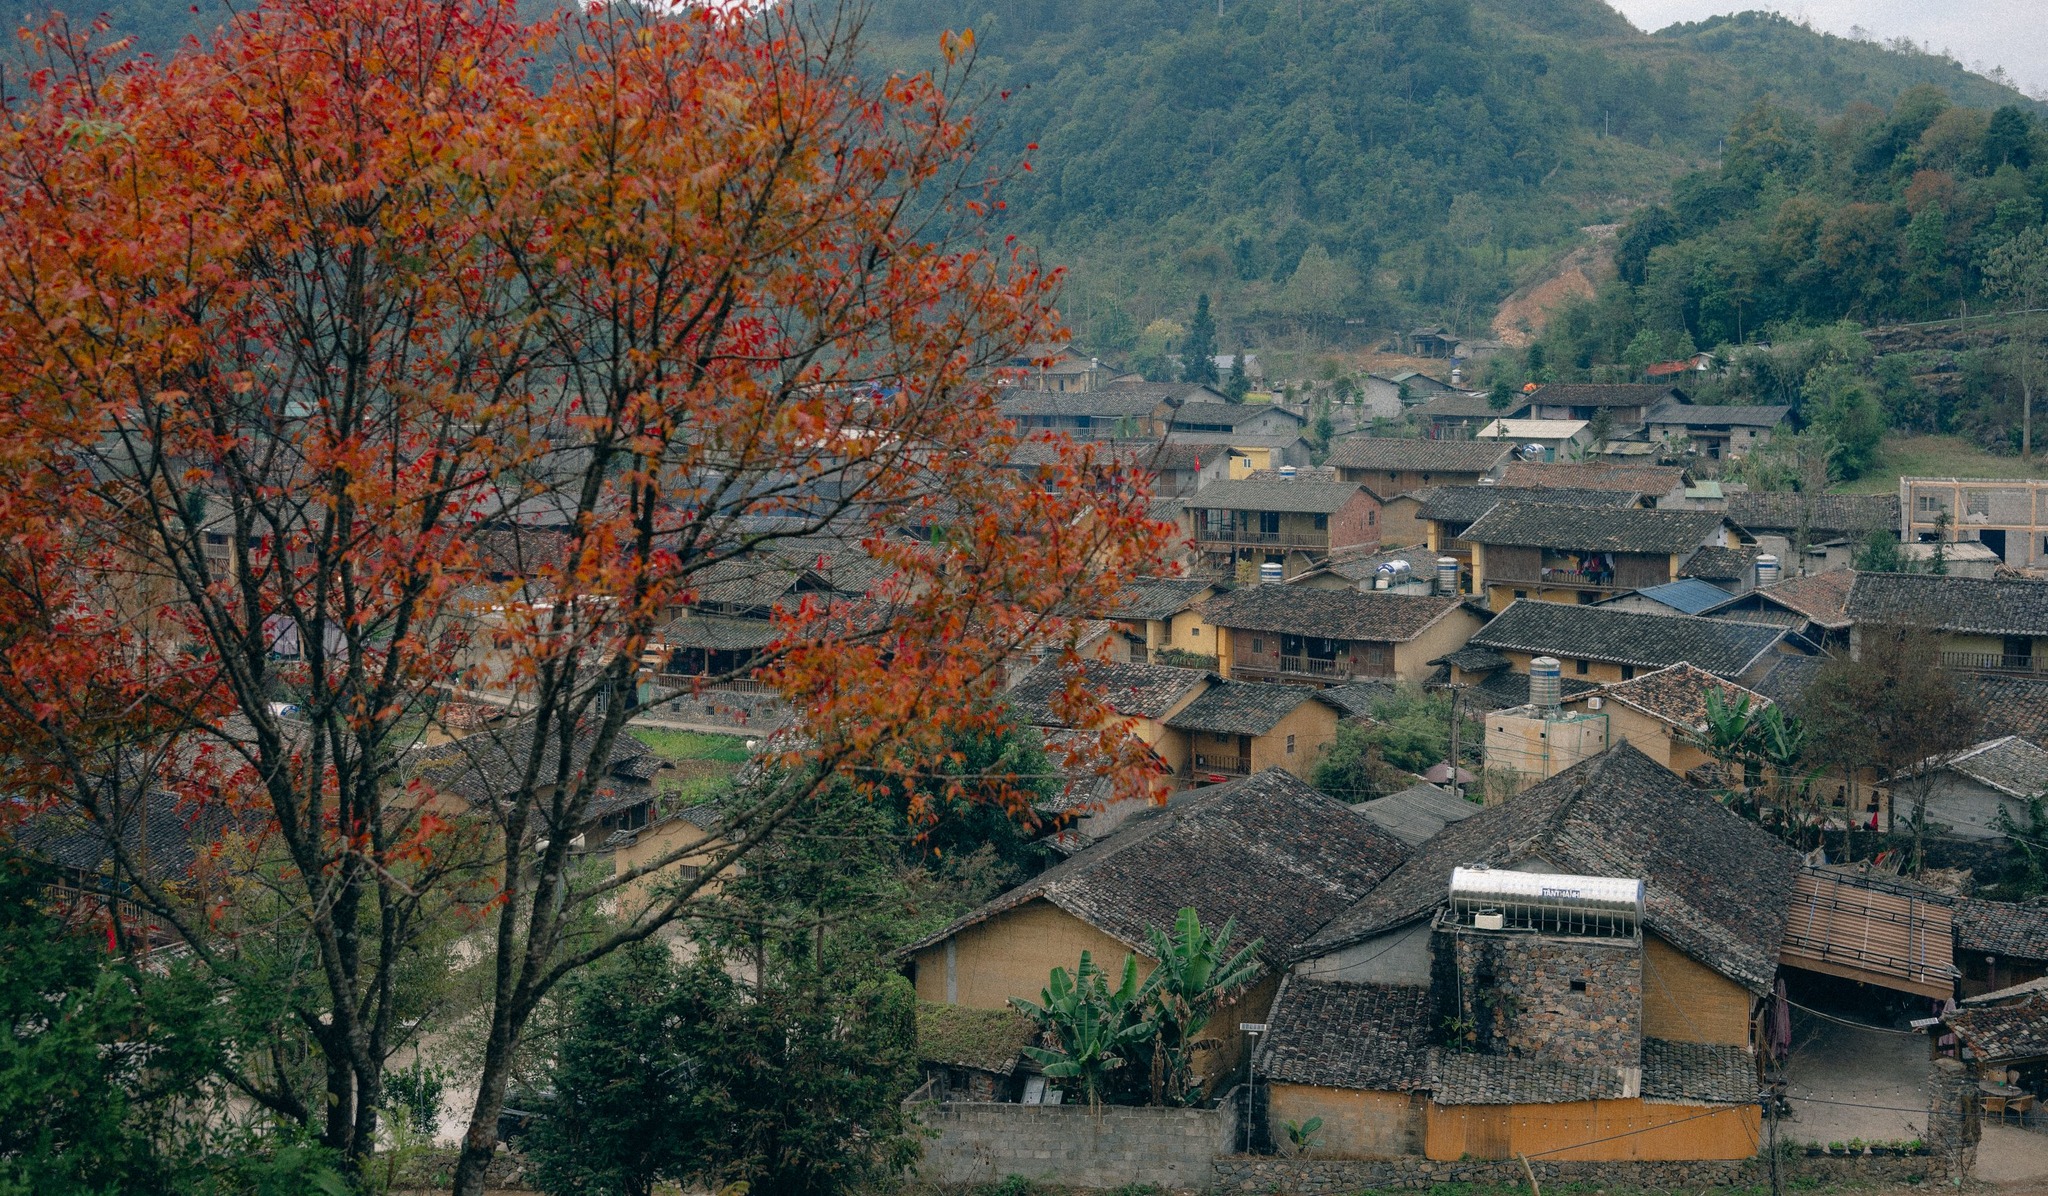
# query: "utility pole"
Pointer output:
{"type": "Point", "coordinates": [1772, 1096]}
{"type": "Point", "coordinates": [1457, 790]}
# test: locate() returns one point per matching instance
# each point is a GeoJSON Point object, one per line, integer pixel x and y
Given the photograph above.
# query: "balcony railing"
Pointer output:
{"type": "Point", "coordinates": [1247, 535]}
{"type": "Point", "coordinates": [1235, 766]}
{"type": "Point", "coordinates": [1990, 662]}
{"type": "Point", "coordinates": [1579, 578]}
{"type": "Point", "coordinates": [1308, 666]}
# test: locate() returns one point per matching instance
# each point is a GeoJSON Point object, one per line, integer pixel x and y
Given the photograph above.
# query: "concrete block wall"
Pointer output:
{"type": "Point", "coordinates": [1074, 1145]}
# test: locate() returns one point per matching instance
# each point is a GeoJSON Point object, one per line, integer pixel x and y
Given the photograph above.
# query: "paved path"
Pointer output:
{"type": "Point", "coordinates": [2014, 1159]}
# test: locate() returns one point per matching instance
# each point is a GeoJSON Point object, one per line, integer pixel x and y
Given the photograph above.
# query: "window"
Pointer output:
{"type": "Point", "coordinates": [1290, 745]}
{"type": "Point", "coordinates": [1371, 518]}
{"type": "Point", "coordinates": [1258, 645]}
{"type": "Point", "coordinates": [1928, 504]}
{"type": "Point", "coordinates": [1322, 523]}
{"type": "Point", "coordinates": [1578, 986]}
{"type": "Point", "coordinates": [1628, 672]}
{"type": "Point", "coordinates": [1579, 667]}
{"type": "Point", "coordinates": [1521, 593]}
{"type": "Point", "coordinates": [1194, 633]}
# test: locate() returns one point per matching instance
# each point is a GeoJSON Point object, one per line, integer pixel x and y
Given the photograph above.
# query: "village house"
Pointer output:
{"type": "Point", "coordinates": [1661, 486]}
{"type": "Point", "coordinates": [1985, 626]}
{"type": "Point", "coordinates": [1562, 975]}
{"type": "Point", "coordinates": [1593, 643]}
{"type": "Point", "coordinates": [1813, 533]}
{"type": "Point", "coordinates": [1558, 439]}
{"type": "Point", "coordinates": [1686, 596]}
{"type": "Point", "coordinates": [1235, 419]}
{"type": "Point", "coordinates": [1146, 694]}
{"type": "Point", "coordinates": [1296, 522]}
{"type": "Point", "coordinates": [730, 618]}
{"type": "Point", "coordinates": [1390, 467]}
{"type": "Point", "coordinates": [1329, 637]}
{"type": "Point", "coordinates": [1314, 858]}
{"type": "Point", "coordinates": [1814, 607]}
{"type": "Point", "coordinates": [1559, 553]}
{"type": "Point", "coordinates": [2006, 1033]}
{"type": "Point", "coordinates": [1971, 794]}
{"type": "Point", "coordinates": [1155, 614]}
{"type": "Point", "coordinates": [1238, 728]}
{"type": "Point", "coordinates": [2000, 944]}
{"type": "Point", "coordinates": [1456, 415]}
{"type": "Point", "coordinates": [1405, 570]}
{"type": "Point", "coordinates": [1625, 405]}
{"type": "Point", "coordinates": [1122, 411]}
{"type": "Point", "coordinates": [2007, 515]}
{"type": "Point", "coordinates": [1177, 469]}
{"type": "Point", "coordinates": [1664, 712]}
{"type": "Point", "coordinates": [1418, 813]}
{"type": "Point", "coordinates": [971, 1054]}
{"type": "Point", "coordinates": [1387, 396]}
{"type": "Point", "coordinates": [1444, 512]}
{"type": "Point", "coordinates": [1061, 369]}
{"type": "Point", "coordinates": [1718, 433]}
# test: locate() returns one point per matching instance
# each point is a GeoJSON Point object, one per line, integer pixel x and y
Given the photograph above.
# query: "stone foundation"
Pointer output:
{"type": "Point", "coordinates": [1347, 1177]}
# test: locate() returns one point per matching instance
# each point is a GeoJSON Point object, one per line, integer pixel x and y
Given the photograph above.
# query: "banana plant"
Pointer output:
{"type": "Point", "coordinates": [1728, 735]}
{"type": "Point", "coordinates": [1196, 972]}
{"type": "Point", "coordinates": [1093, 1028]}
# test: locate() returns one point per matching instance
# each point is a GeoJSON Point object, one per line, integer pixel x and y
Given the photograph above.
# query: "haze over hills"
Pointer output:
{"type": "Point", "coordinates": [1431, 148]}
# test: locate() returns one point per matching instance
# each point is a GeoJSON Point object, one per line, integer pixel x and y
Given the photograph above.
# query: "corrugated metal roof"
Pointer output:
{"type": "Point", "coordinates": [1883, 934]}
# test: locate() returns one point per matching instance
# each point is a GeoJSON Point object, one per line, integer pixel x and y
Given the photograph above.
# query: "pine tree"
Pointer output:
{"type": "Point", "coordinates": [1198, 352]}
{"type": "Point", "coordinates": [1237, 386]}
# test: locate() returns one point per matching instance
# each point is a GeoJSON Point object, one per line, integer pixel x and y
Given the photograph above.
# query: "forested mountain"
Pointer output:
{"type": "Point", "coordinates": [1312, 162]}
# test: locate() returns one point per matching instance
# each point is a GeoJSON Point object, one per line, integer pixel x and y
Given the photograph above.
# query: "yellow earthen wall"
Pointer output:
{"type": "Point", "coordinates": [658, 841]}
{"type": "Point", "coordinates": [1356, 1125]}
{"type": "Point", "coordinates": [1590, 1131]}
{"type": "Point", "coordinates": [1313, 726]}
{"type": "Point", "coordinates": [1448, 634]}
{"type": "Point", "coordinates": [1686, 1001]}
{"type": "Point", "coordinates": [1011, 954]}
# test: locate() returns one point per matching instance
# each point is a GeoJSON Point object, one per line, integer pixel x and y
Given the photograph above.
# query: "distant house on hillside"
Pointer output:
{"type": "Point", "coordinates": [1559, 439]}
{"type": "Point", "coordinates": [1329, 637]}
{"type": "Point", "coordinates": [1456, 415]}
{"type": "Point", "coordinates": [1575, 554]}
{"type": "Point", "coordinates": [1393, 467]}
{"type": "Point", "coordinates": [1235, 419]}
{"type": "Point", "coordinates": [1123, 411]}
{"type": "Point", "coordinates": [1719, 432]}
{"type": "Point", "coordinates": [1662, 485]}
{"type": "Point", "coordinates": [2007, 515]}
{"type": "Point", "coordinates": [1388, 395]}
{"type": "Point", "coordinates": [1061, 369]}
{"type": "Point", "coordinates": [1593, 643]}
{"type": "Point", "coordinates": [1625, 405]}
{"type": "Point", "coordinates": [1813, 533]}
{"type": "Point", "coordinates": [1297, 522]}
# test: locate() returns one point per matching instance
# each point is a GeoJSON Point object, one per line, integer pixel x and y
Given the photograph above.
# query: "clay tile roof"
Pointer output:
{"type": "Point", "coordinates": [1504, 691]}
{"type": "Point", "coordinates": [1416, 814]}
{"type": "Point", "coordinates": [1359, 697]}
{"type": "Point", "coordinates": [1328, 614]}
{"type": "Point", "coordinates": [1677, 694]}
{"type": "Point", "coordinates": [1111, 402]}
{"type": "Point", "coordinates": [491, 764]}
{"type": "Point", "coordinates": [1242, 708]}
{"type": "Point", "coordinates": [1577, 529]}
{"type": "Point", "coordinates": [2002, 928]}
{"type": "Point", "coordinates": [1718, 886]}
{"type": "Point", "coordinates": [1723, 647]}
{"type": "Point", "coordinates": [1267, 850]}
{"type": "Point", "coordinates": [717, 633]}
{"type": "Point", "coordinates": [1698, 1073]}
{"type": "Point", "coordinates": [1822, 597]}
{"type": "Point", "coordinates": [1132, 690]}
{"type": "Point", "coordinates": [1385, 452]}
{"type": "Point", "coordinates": [1156, 597]}
{"type": "Point", "coordinates": [1466, 504]}
{"type": "Point", "coordinates": [1465, 1079]}
{"type": "Point", "coordinates": [1969, 605]}
{"type": "Point", "coordinates": [1714, 563]}
{"type": "Point", "coordinates": [1603, 394]}
{"type": "Point", "coordinates": [1594, 475]}
{"type": "Point", "coordinates": [960, 1036]}
{"type": "Point", "coordinates": [2010, 705]}
{"type": "Point", "coordinates": [1458, 405]}
{"type": "Point", "coordinates": [1718, 415]}
{"type": "Point", "coordinates": [2010, 765]}
{"type": "Point", "coordinates": [1208, 414]}
{"type": "Point", "coordinates": [1997, 1033]}
{"type": "Point", "coordinates": [1334, 1034]}
{"type": "Point", "coordinates": [1687, 595]}
{"type": "Point", "coordinates": [1827, 515]}
{"type": "Point", "coordinates": [1297, 495]}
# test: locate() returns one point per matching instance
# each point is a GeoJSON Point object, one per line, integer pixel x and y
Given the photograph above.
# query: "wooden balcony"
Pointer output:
{"type": "Point", "coordinates": [1230, 766]}
{"type": "Point", "coordinates": [1991, 662]}
{"type": "Point", "coordinates": [1319, 541]}
{"type": "Point", "coordinates": [1309, 666]}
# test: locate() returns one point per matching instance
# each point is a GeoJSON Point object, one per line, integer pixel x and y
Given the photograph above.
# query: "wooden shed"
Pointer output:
{"type": "Point", "coordinates": [1865, 928]}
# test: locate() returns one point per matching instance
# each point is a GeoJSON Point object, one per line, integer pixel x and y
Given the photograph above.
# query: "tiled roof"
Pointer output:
{"type": "Point", "coordinates": [494, 763]}
{"type": "Point", "coordinates": [1594, 475]}
{"type": "Point", "coordinates": [1466, 1079]}
{"type": "Point", "coordinates": [1130, 689]}
{"type": "Point", "coordinates": [1466, 504]}
{"type": "Point", "coordinates": [1175, 392]}
{"type": "Point", "coordinates": [1698, 1073]}
{"type": "Point", "coordinates": [2010, 765]}
{"type": "Point", "coordinates": [1227, 414]}
{"type": "Point", "coordinates": [1469, 406]}
{"type": "Point", "coordinates": [162, 835]}
{"type": "Point", "coordinates": [1577, 529]}
{"type": "Point", "coordinates": [1677, 694]}
{"type": "Point", "coordinates": [1714, 563]}
{"type": "Point", "coordinates": [1474, 660]}
{"type": "Point", "coordinates": [2009, 705]}
{"type": "Point", "coordinates": [1999, 996]}
{"type": "Point", "coordinates": [1358, 698]}
{"type": "Point", "coordinates": [1298, 495]}
{"type": "Point", "coordinates": [1687, 595]}
{"type": "Point", "coordinates": [1242, 708]}
{"type": "Point", "coordinates": [2017, 1030]}
{"type": "Point", "coordinates": [1111, 402]}
{"type": "Point", "coordinates": [1788, 678]}
{"type": "Point", "coordinates": [961, 1036]}
{"type": "Point", "coordinates": [1822, 597]}
{"type": "Point", "coordinates": [1334, 1034]}
{"type": "Point", "coordinates": [1504, 691]}
{"type": "Point", "coordinates": [1267, 850]}
{"type": "Point", "coordinates": [1717, 885]}
{"type": "Point", "coordinates": [1723, 647]}
{"type": "Point", "coordinates": [1602, 394]}
{"type": "Point", "coordinates": [1724, 415]}
{"type": "Point", "coordinates": [1422, 456]}
{"type": "Point", "coordinates": [1416, 814]}
{"type": "Point", "coordinates": [1970, 605]}
{"type": "Point", "coordinates": [1828, 515]}
{"type": "Point", "coordinates": [1357, 565]}
{"type": "Point", "coordinates": [2006, 929]}
{"type": "Point", "coordinates": [1156, 597]}
{"type": "Point", "coordinates": [1328, 614]}
{"type": "Point", "coordinates": [717, 633]}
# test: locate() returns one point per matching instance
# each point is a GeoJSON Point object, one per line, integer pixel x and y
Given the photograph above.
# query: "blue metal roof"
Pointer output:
{"type": "Point", "coordinates": [1690, 595]}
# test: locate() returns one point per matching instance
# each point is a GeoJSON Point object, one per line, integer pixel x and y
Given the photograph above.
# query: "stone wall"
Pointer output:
{"type": "Point", "coordinates": [1346, 1177]}
{"type": "Point", "coordinates": [1074, 1145]}
{"type": "Point", "coordinates": [1553, 997]}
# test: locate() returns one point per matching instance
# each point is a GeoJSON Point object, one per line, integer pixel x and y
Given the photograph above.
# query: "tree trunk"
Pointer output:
{"type": "Point", "coordinates": [480, 1139]}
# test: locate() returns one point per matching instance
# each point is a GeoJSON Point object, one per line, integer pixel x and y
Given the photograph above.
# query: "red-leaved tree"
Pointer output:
{"type": "Point", "coordinates": [300, 330]}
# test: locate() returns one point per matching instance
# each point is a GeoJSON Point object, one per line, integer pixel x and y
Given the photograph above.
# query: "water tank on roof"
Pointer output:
{"type": "Point", "coordinates": [1530, 452]}
{"type": "Point", "coordinates": [1766, 569]}
{"type": "Point", "coordinates": [1391, 573]}
{"type": "Point", "coordinates": [1272, 573]}
{"type": "Point", "coordinates": [1548, 901]}
{"type": "Point", "coordinates": [1447, 575]}
{"type": "Point", "coordinates": [1546, 682]}
{"type": "Point", "coordinates": [1287, 471]}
